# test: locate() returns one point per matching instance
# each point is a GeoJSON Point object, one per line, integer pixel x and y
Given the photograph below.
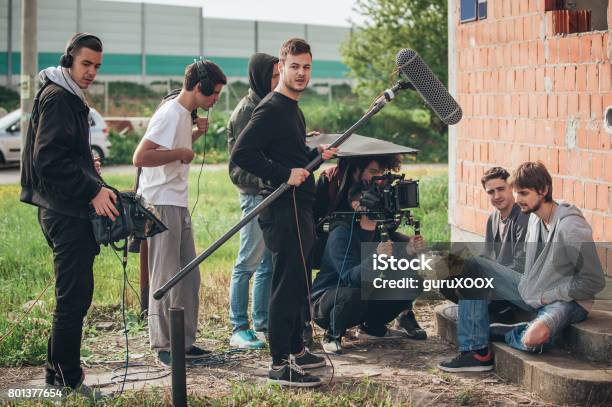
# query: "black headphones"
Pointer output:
{"type": "Point", "coordinates": [206, 86]}
{"type": "Point", "coordinates": [67, 59]}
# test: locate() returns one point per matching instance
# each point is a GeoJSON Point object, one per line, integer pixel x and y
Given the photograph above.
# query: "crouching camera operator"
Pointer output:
{"type": "Point", "coordinates": [336, 291]}
{"type": "Point", "coordinates": [333, 186]}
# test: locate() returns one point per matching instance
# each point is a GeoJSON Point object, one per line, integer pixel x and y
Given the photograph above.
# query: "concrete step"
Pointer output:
{"type": "Point", "coordinates": [592, 338]}
{"type": "Point", "coordinates": [559, 376]}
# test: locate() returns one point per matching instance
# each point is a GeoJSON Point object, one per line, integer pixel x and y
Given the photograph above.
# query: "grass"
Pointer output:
{"type": "Point", "coordinates": [26, 268]}
{"type": "Point", "coordinates": [363, 394]}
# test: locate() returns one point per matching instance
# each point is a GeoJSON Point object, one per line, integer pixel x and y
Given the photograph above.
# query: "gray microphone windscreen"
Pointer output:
{"type": "Point", "coordinates": [413, 68]}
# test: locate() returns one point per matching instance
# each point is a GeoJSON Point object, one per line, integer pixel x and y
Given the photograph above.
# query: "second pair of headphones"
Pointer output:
{"type": "Point", "coordinates": [206, 86]}
{"type": "Point", "coordinates": [67, 59]}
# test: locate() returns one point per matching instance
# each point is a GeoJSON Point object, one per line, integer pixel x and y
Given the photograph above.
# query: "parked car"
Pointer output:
{"type": "Point", "coordinates": [10, 136]}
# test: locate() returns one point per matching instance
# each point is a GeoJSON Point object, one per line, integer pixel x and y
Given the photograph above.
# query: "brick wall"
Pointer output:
{"type": "Point", "coordinates": [528, 93]}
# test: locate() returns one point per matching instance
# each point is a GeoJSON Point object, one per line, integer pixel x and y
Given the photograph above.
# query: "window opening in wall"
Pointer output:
{"type": "Point", "coordinates": [472, 10]}
{"type": "Point", "coordinates": [576, 16]}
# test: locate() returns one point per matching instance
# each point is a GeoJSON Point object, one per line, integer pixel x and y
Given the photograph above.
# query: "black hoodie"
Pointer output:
{"type": "Point", "coordinates": [260, 78]}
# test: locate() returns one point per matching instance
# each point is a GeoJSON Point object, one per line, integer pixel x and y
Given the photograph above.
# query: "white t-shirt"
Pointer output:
{"type": "Point", "coordinates": [170, 127]}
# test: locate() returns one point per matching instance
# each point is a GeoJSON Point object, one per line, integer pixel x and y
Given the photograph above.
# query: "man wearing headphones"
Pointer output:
{"type": "Point", "coordinates": [58, 176]}
{"type": "Point", "coordinates": [165, 152]}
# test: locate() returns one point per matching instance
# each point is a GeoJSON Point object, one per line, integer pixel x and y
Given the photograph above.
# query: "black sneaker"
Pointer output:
{"type": "Point", "coordinates": [333, 346]}
{"type": "Point", "coordinates": [164, 358]}
{"type": "Point", "coordinates": [308, 360]}
{"type": "Point", "coordinates": [468, 362]}
{"type": "Point", "coordinates": [196, 352]}
{"type": "Point", "coordinates": [497, 332]}
{"type": "Point", "coordinates": [293, 376]}
{"type": "Point", "coordinates": [307, 335]}
{"type": "Point", "coordinates": [406, 323]}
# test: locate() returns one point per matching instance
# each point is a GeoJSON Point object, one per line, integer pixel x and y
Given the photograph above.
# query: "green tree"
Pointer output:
{"type": "Point", "coordinates": [391, 25]}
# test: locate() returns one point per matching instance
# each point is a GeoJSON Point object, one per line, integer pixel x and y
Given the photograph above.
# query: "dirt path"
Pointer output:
{"type": "Point", "coordinates": [407, 368]}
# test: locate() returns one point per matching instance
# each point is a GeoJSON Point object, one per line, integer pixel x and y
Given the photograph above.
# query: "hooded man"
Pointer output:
{"type": "Point", "coordinates": [253, 256]}
{"type": "Point", "coordinates": [58, 176]}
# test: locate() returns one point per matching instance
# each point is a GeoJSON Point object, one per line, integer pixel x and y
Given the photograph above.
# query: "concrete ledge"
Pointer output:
{"type": "Point", "coordinates": [558, 376]}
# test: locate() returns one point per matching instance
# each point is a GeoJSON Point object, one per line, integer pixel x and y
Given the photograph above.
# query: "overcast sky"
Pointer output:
{"type": "Point", "coordinates": [325, 12]}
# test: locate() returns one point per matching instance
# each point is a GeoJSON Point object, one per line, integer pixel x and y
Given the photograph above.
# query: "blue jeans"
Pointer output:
{"type": "Point", "coordinates": [473, 325]}
{"type": "Point", "coordinates": [253, 258]}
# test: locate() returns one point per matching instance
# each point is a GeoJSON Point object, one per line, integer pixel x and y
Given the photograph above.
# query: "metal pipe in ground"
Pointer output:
{"type": "Point", "coordinates": [177, 353]}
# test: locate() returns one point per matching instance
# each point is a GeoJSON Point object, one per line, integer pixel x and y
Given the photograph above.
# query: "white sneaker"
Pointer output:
{"type": "Point", "coordinates": [391, 334]}
{"type": "Point", "coordinates": [261, 335]}
{"type": "Point", "coordinates": [332, 346]}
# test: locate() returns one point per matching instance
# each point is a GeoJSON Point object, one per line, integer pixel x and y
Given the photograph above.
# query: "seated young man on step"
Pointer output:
{"type": "Point", "coordinates": [561, 277]}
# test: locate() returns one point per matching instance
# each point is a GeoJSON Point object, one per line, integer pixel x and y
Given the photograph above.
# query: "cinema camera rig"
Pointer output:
{"type": "Point", "coordinates": [386, 199]}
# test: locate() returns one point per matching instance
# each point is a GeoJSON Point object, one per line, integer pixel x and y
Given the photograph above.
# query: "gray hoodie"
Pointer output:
{"type": "Point", "coordinates": [568, 267]}
{"type": "Point", "coordinates": [61, 76]}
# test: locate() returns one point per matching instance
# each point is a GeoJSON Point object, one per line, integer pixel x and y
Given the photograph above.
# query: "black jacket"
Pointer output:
{"type": "Point", "coordinates": [260, 78]}
{"type": "Point", "coordinates": [245, 181]}
{"type": "Point", "coordinates": [57, 170]}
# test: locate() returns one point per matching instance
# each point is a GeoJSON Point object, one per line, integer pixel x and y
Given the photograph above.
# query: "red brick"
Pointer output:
{"type": "Point", "coordinates": [599, 161]}
{"type": "Point", "coordinates": [563, 162]}
{"type": "Point", "coordinates": [585, 106]}
{"type": "Point", "coordinates": [585, 48]}
{"type": "Point", "coordinates": [564, 51]}
{"type": "Point", "coordinates": [553, 51]}
{"type": "Point", "coordinates": [570, 78]}
{"type": "Point", "coordinates": [552, 106]}
{"type": "Point", "coordinates": [518, 29]}
{"type": "Point", "coordinates": [542, 106]}
{"type": "Point", "coordinates": [583, 164]}
{"type": "Point", "coordinates": [592, 78]}
{"type": "Point", "coordinates": [596, 106]}
{"type": "Point", "coordinates": [581, 78]}
{"type": "Point", "coordinates": [514, 57]}
{"type": "Point", "coordinates": [607, 99]}
{"type": "Point", "coordinates": [608, 168]}
{"type": "Point", "coordinates": [557, 184]}
{"type": "Point", "coordinates": [524, 7]}
{"type": "Point", "coordinates": [533, 105]}
{"type": "Point", "coordinates": [605, 77]}
{"type": "Point", "coordinates": [574, 49]}
{"type": "Point", "coordinates": [602, 197]}
{"type": "Point", "coordinates": [581, 138]}
{"type": "Point", "coordinates": [502, 35]}
{"type": "Point", "coordinates": [597, 48]}
{"type": "Point", "coordinates": [568, 190]}
{"type": "Point", "coordinates": [524, 105]}
{"type": "Point", "coordinates": [515, 8]}
{"type": "Point", "coordinates": [510, 32]}
{"type": "Point", "coordinates": [561, 105]}
{"type": "Point", "coordinates": [552, 160]}
{"type": "Point", "coordinates": [524, 53]}
{"type": "Point", "coordinates": [519, 80]}
{"type": "Point", "coordinates": [590, 195]}
{"type": "Point", "coordinates": [597, 224]}
{"type": "Point", "coordinates": [550, 24]}
{"type": "Point", "coordinates": [539, 79]}
{"type": "Point", "coordinates": [541, 54]}
{"type": "Point", "coordinates": [515, 105]}
{"type": "Point", "coordinates": [528, 30]}
{"type": "Point", "coordinates": [559, 130]}
{"type": "Point", "coordinates": [578, 194]}
{"type": "Point", "coordinates": [608, 237]}
{"type": "Point", "coordinates": [572, 104]}
{"type": "Point", "coordinates": [559, 78]}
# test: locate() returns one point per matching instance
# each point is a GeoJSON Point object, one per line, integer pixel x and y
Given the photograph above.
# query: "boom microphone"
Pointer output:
{"type": "Point", "coordinates": [433, 92]}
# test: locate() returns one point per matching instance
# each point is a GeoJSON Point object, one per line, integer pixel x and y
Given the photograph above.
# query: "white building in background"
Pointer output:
{"type": "Point", "coordinates": [151, 42]}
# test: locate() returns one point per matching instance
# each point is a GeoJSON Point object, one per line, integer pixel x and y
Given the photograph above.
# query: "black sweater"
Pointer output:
{"type": "Point", "coordinates": [274, 142]}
